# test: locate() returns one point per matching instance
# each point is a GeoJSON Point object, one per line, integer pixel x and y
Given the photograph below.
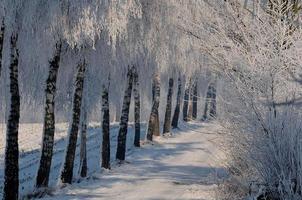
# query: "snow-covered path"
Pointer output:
{"type": "Point", "coordinates": [187, 165]}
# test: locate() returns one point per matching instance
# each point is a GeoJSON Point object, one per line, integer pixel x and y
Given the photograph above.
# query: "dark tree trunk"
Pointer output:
{"type": "Point", "coordinates": [186, 102]}
{"type": "Point", "coordinates": [2, 28]}
{"type": "Point", "coordinates": [190, 106]}
{"type": "Point", "coordinates": [136, 108]}
{"type": "Point", "coordinates": [213, 101]}
{"type": "Point", "coordinates": [67, 173]}
{"type": "Point", "coordinates": [157, 95]}
{"type": "Point", "coordinates": [11, 174]}
{"type": "Point", "coordinates": [122, 136]}
{"type": "Point", "coordinates": [167, 123]}
{"type": "Point", "coordinates": [49, 121]}
{"type": "Point", "coordinates": [195, 100]}
{"type": "Point", "coordinates": [156, 129]}
{"type": "Point", "coordinates": [106, 128]}
{"type": "Point", "coordinates": [83, 149]}
{"type": "Point", "coordinates": [153, 125]}
{"type": "Point", "coordinates": [177, 107]}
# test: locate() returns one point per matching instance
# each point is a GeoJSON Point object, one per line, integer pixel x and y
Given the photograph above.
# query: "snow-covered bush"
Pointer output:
{"type": "Point", "coordinates": [264, 123]}
{"type": "Point", "coordinates": [266, 161]}
{"type": "Point", "coordinates": [257, 53]}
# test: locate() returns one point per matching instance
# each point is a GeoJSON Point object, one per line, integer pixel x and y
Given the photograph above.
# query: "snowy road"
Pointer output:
{"type": "Point", "coordinates": [186, 166]}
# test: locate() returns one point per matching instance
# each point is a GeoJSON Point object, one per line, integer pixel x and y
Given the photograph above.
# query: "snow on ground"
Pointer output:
{"type": "Point", "coordinates": [186, 166]}
{"type": "Point", "coordinates": [30, 138]}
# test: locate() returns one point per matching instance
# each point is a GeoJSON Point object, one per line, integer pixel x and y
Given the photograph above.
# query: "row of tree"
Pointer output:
{"type": "Point", "coordinates": [79, 121]}
{"type": "Point", "coordinates": [135, 35]}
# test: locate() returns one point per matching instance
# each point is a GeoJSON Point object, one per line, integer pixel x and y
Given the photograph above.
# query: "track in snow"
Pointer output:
{"type": "Point", "coordinates": [186, 166]}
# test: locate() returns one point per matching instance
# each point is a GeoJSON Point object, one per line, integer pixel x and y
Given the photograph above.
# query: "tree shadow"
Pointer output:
{"type": "Point", "coordinates": [151, 161]}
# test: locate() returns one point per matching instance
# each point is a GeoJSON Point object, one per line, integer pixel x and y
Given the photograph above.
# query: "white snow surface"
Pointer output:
{"type": "Point", "coordinates": [184, 166]}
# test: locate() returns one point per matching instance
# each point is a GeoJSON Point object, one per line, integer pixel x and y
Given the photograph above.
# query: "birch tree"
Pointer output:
{"type": "Point", "coordinates": [83, 136]}
{"type": "Point", "coordinates": [2, 28]}
{"type": "Point", "coordinates": [137, 107]}
{"type": "Point", "coordinates": [11, 165]}
{"type": "Point", "coordinates": [177, 107]}
{"type": "Point", "coordinates": [49, 120]}
{"type": "Point", "coordinates": [43, 173]}
{"type": "Point", "coordinates": [153, 120]}
{"type": "Point", "coordinates": [67, 172]}
{"type": "Point", "coordinates": [195, 100]}
{"type": "Point", "coordinates": [121, 145]}
{"type": "Point", "coordinates": [167, 122]}
{"type": "Point", "coordinates": [11, 175]}
{"type": "Point", "coordinates": [106, 127]}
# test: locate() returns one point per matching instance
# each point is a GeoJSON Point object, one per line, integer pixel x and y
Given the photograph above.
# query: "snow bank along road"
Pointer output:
{"type": "Point", "coordinates": [187, 165]}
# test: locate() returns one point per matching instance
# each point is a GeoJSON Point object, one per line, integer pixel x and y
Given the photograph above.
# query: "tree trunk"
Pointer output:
{"type": "Point", "coordinates": [213, 101]}
{"type": "Point", "coordinates": [11, 174]}
{"type": "Point", "coordinates": [83, 149]}
{"type": "Point", "coordinates": [195, 100]}
{"type": "Point", "coordinates": [177, 107]}
{"type": "Point", "coordinates": [2, 28]}
{"type": "Point", "coordinates": [167, 123]}
{"type": "Point", "coordinates": [67, 173]}
{"type": "Point", "coordinates": [153, 120]}
{"type": "Point", "coordinates": [136, 108]}
{"type": "Point", "coordinates": [156, 129]}
{"type": "Point", "coordinates": [106, 128]}
{"type": "Point", "coordinates": [122, 136]}
{"type": "Point", "coordinates": [186, 102]}
{"type": "Point", "coordinates": [190, 106]}
{"type": "Point", "coordinates": [49, 121]}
